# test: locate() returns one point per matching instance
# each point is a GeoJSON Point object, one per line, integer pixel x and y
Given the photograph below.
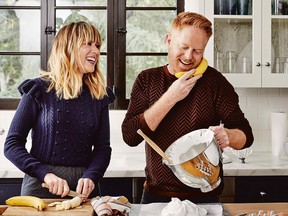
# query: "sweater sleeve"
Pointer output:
{"type": "Point", "coordinates": [134, 119]}
{"type": "Point", "coordinates": [102, 149]}
{"type": "Point", "coordinates": [22, 122]}
{"type": "Point", "coordinates": [229, 111]}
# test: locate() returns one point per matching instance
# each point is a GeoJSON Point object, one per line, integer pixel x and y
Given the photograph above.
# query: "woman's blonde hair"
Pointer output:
{"type": "Point", "coordinates": [63, 71]}
{"type": "Point", "coordinates": [193, 19]}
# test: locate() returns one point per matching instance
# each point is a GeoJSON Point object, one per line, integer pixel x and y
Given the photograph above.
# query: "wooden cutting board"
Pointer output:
{"type": "Point", "coordinates": [249, 208]}
{"type": "Point", "coordinates": [85, 210]}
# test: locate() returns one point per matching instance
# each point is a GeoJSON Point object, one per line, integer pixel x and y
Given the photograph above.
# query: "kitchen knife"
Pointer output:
{"type": "Point", "coordinates": [71, 193]}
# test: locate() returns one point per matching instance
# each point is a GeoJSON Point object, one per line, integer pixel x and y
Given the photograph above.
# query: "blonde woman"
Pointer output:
{"type": "Point", "coordinates": [66, 109]}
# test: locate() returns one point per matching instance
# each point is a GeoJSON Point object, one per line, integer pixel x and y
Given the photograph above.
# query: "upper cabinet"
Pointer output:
{"type": "Point", "coordinates": [249, 44]}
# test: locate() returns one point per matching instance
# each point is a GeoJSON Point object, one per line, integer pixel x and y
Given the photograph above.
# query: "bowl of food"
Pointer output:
{"type": "Point", "coordinates": [202, 168]}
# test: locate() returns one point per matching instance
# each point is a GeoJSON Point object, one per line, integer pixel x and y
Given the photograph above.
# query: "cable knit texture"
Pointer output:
{"type": "Point", "coordinates": [71, 133]}
{"type": "Point", "coordinates": [212, 100]}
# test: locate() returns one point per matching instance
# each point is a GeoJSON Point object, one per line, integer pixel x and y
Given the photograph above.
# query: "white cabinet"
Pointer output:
{"type": "Point", "coordinates": [249, 49]}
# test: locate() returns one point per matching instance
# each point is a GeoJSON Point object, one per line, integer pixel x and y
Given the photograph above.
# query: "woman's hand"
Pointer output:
{"type": "Point", "coordinates": [57, 186]}
{"type": "Point", "coordinates": [85, 186]}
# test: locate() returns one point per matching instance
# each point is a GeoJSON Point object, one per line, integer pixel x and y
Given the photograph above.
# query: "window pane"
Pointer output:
{"type": "Point", "coordinates": [81, 2]}
{"type": "Point", "coordinates": [16, 31]}
{"type": "Point", "coordinates": [20, 2]}
{"type": "Point", "coordinates": [151, 3]}
{"type": "Point", "coordinates": [144, 35]}
{"type": "Point", "coordinates": [103, 66]}
{"type": "Point", "coordinates": [135, 64]}
{"type": "Point", "coordinates": [14, 70]}
{"type": "Point", "coordinates": [97, 17]}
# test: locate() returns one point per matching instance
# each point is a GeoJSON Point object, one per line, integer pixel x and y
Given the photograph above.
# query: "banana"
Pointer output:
{"type": "Point", "coordinates": [199, 70]}
{"type": "Point", "coordinates": [30, 201]}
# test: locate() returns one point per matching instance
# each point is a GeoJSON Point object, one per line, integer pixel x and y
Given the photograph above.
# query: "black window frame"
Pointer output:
{"type": "Point", "coordinates": [116, 43]}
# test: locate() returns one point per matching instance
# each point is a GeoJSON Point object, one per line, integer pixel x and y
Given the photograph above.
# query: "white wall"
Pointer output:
{"type": "Point", "coordinates": [194, 6]}
{"type": "Point", "coordinates": [257, 105]}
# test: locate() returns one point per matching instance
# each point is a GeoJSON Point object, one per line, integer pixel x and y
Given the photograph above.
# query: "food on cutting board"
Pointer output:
{"type": "Point", "coordinates": [29, 201]}
{"type": "Point", "coordinates": [199, 70]}
{"type": "Point", "coordinates": [107, 205]}
{"type": "Point", "coordinates": [67, 204]}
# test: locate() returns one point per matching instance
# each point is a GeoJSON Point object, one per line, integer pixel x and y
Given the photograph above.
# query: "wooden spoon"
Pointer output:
{"type": "Point", "coordinates": [154, 146]}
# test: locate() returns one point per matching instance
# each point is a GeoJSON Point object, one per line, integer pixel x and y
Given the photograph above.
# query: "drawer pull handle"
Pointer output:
{"type": "Point", "coordinates": [262, 193]}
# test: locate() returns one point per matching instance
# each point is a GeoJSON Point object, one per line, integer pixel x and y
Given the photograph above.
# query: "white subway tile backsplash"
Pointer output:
{"type": "Point", "coordinates": [257, 101]}
{"type": "Point", "coordinates": [278, 102]}
{"type": "Point", "coordinates": [247, 91]}
{"type": "Point", "coordinates": [268, 92]}
{"type": "Point", "coordinates": [261, 124]}
{"type": "Point", "coordinates": [243, 101]}
{"type": "Point", "coordinates": [250, 112]}
{"type": "Point", "coordinates": [257, 105]}
{"type": "Point", "coordinates": [264, 113]}
{"type": "Point", "coordinates": [284, 92]}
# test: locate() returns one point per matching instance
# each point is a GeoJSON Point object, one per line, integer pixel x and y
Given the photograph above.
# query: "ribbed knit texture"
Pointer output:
{"type": "Point", "coordinates": [72, 133]}
{"type": "Point", "coordinates": [212, 100]}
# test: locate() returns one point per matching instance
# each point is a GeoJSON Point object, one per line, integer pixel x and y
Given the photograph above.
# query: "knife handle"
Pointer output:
{"type": "Point", "coordinates": [44, 185]}
{"type": "Point", "coordinates": [71, 193]}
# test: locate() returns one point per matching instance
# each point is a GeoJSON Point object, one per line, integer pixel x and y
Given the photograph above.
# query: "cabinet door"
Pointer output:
{"type": "Point", "coordinates": [9, 188]}
{"type": "Point", "coordinates": [275, 38]}
{"type": "Point", "coordinates": [235, 46]}
{"type": "Point", "coordinates": [261, 189]}
{"type": "Point", "coordinates": [116, 187]}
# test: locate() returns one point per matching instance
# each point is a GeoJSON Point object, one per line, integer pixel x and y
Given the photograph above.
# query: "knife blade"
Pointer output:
{"type": "Point", "coordinates": [71, 192]}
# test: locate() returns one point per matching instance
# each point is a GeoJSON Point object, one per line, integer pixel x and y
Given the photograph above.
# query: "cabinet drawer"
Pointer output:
{"type": "Point", "coordinates": [116, 187]}
{"type": "Point", "coordinates": [228, 195]}
{"type": "Point", "coordinates": [261, 189]}
{"type": "Point", "coordinates": [9, 188]}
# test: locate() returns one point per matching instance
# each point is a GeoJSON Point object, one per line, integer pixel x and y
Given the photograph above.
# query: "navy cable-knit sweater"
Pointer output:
{"type": "Point", "coordinates": [74, 133]}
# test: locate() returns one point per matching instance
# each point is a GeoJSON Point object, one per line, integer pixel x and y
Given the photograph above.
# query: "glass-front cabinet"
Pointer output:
{"type": "Point", "coordinates": [249, 44]}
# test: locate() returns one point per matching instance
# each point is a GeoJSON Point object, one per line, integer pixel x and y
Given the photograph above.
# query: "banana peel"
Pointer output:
{"type": "Point", "coordinates": [199, 70]}
{"type": "Point", "coordinates": [29, 201]}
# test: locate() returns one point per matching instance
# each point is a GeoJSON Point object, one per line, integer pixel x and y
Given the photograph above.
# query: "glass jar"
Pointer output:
{"type": "Point", "coordinates": [231, 57]}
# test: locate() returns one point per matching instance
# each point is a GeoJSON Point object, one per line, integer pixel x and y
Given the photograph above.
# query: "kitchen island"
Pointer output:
{"type": "Point", "coordinates": [228, 209]}
{"type": "Point", "coordinates": [215, 209]}
{"type": "Point", "coordinates": [262, 178]}
{"type": "Point", "coordinates": [133, 164]}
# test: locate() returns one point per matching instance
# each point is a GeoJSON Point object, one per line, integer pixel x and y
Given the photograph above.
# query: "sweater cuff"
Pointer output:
{"type": "Point", "coordinates": [144, 126]}
{"type": "Point", "coordinates": [43, 171]}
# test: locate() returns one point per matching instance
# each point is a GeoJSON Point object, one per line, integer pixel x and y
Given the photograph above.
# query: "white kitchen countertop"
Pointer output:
{"type": "Point", "coordinates": [132, 165]}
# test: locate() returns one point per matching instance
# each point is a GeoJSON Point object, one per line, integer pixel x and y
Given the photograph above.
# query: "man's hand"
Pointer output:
{"type": "Point", "coordinates": [221, 136]}
{"type": "Point", "coordinates": [182, 86]}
